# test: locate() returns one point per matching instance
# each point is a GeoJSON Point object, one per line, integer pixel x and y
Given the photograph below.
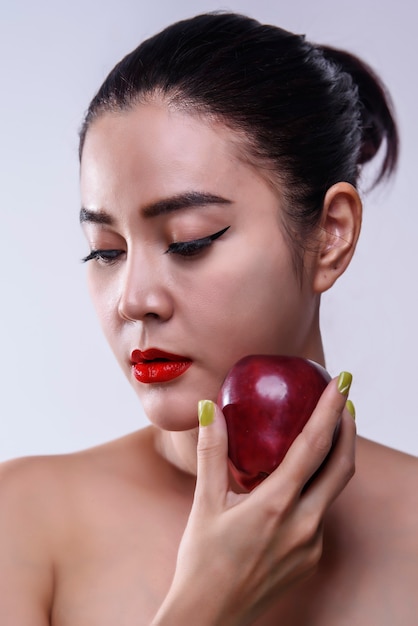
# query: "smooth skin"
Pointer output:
{"type": "Point", "coordinates": [146, 530]}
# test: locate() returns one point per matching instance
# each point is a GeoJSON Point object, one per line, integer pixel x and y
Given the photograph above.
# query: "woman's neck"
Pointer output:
{"type": "Point", "coordinates": [178, 448]}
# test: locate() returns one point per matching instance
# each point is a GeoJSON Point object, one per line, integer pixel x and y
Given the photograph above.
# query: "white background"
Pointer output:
{"type": "Point", "coordinates": [60, 388]}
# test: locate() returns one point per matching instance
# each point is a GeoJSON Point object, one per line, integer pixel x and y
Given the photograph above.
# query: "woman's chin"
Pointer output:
{"type": "Point", "coordinates": [173, 405]}
{"type": "Point", "coordinates": [173, 412]}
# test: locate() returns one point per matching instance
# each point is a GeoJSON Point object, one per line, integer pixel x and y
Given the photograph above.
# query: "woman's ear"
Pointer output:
{"type": "Point", "coordinates": [339, 232]}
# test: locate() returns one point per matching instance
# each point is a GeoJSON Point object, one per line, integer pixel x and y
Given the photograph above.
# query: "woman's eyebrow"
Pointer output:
{"type": "Point", "coordinates": [182, 201]}
{"type": "Point", "coordinates": [161, 207]}
{"type": "Point", "coordinates": [95, 217]}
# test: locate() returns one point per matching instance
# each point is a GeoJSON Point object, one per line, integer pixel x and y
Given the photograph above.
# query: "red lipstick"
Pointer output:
{"type": "Point", "coordinates": [156, 366]}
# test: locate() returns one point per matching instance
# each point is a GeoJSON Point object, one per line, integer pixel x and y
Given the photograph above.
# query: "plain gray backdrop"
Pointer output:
{"type": "Point", "coordinates": [60, 387]}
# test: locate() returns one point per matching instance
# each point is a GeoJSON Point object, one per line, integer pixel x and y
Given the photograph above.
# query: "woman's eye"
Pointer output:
{"type": "Point", "coordinates": [195, 246]}
{"type": "Point", "coordinates": [103, 256]}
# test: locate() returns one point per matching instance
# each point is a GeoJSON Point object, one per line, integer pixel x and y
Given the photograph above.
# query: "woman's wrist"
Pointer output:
{"type": "Point", "coordinates": [193, 605]}
{"type": "Point", "coordinates": [185, 610]}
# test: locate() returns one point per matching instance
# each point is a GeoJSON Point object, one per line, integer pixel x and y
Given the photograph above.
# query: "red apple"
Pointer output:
{"type": "Point", "coordinates": [267, 400]}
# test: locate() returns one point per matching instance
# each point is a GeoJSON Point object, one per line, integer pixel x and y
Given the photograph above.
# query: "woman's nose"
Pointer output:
{"type": "Point", "coordinates": [145, 292]}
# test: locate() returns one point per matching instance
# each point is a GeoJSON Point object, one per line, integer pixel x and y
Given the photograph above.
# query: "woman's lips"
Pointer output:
{"type": "Point", "coordinates": [156, 366]}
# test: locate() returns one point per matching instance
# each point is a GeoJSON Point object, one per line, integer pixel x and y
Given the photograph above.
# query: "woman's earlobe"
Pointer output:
{"type": "Point", "coordinates": [340, 229]}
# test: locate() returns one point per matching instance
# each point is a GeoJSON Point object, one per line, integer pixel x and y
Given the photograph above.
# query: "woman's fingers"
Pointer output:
{"type": "Point", "coordinates": [339, 466]}
{"type": "Point", "coordinates": [329, 436]}
{"type": "Point", "coordinates": [212, 482]}
{"type": "Point", "coordinates": [310, 449]}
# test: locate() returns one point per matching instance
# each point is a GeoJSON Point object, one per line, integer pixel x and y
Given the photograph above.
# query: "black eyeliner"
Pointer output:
{"type": "Point", "coordinates": [95, 254]}
{"type": "Point", "coordinates": [194, 245]}
{"type": "Point", "coordinates": [89, 257]}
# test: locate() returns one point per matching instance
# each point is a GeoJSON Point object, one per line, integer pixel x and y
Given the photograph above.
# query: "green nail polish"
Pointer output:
{"type": "Point", "coordinates": [344, 383]}
{"type": "Point", "coordinates": [351, 409]}
{"type": "Point", "coordinates": [206, 412]}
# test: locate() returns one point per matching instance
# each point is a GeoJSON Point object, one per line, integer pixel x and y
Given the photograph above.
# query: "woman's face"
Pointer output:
{"type": "Point", "coordinates": [189, 257]}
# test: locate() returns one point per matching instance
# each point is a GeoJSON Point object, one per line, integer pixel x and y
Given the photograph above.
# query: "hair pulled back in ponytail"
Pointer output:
{"type": "Point", "coordinates": [310, 116]}
{"type": "Point", "coordinates": [376, 110]}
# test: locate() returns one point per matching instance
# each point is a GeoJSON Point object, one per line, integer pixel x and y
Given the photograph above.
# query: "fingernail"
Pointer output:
{"type": "Point", "coordinates": [351, 409]}
{"type": "Point", "coordinates": [206, 412]}
{"type": "Point", "coordinates": [344, 383]}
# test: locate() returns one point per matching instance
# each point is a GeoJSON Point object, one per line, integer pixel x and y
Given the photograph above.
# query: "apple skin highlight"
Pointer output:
{"type": "Point", "coordinates": [267, 400]}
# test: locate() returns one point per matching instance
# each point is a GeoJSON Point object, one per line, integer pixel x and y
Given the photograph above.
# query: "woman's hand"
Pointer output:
{"type": "Point", "coordinates": [240, 551]}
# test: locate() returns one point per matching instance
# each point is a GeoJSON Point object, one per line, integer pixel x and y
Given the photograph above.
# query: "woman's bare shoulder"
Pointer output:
{"type": "Point", "coordinates": [47, 504]}
{"type": "Point", "coordinates": [27, 481]}
{"type": "Point", "coordinates": [55, 471]}
{"type": "Point", "coordinates": [378, 459]}
{"type": "Point", "coordinates": [386, 483]}
{"type": "Point", "coordinates": [31, 514]}
{"type": "Point", "coordinates": [44, 499]}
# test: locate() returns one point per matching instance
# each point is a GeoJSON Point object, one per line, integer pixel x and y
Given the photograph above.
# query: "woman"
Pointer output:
{"type": "Point", "coordinates": [219, 164]}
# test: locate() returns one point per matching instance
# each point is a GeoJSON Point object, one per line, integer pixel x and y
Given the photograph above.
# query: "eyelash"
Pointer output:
{"type": "Point", "coordinates": [181, 248]}
{"type": "Point", "coordinates": [195, 246]}
{"type": "Point", "coordinates": [105, 256]}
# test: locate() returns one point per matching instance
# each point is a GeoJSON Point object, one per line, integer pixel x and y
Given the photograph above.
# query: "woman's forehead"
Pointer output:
{"type": "Point", "coordinates": [151, 143]}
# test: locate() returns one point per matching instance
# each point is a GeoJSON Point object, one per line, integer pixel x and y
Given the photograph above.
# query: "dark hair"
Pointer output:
{"type": "Point", "coordinates": [310, 115]}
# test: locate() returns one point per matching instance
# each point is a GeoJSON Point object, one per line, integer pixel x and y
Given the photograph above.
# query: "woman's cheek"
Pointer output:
{"type": "Point", "coordinates": [104, 296]}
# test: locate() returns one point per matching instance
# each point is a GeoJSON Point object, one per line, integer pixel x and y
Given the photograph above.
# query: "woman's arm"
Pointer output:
{"type": "Point", "coordinates": [26, 577]}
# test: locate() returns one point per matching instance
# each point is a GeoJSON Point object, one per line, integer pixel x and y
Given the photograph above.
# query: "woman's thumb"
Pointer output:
{"type": "Point", "coordinates": [212, 453]}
